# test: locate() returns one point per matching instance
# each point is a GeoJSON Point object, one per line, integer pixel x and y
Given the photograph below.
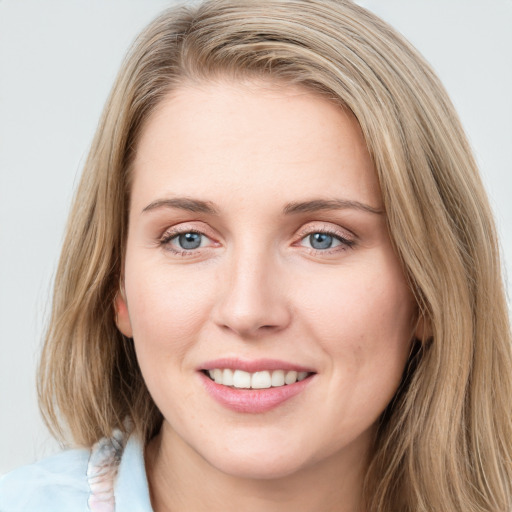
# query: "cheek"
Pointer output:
{"type": "Point", "coordinates": [366, 336]}
{"type": "Point", "coordinates": [167, 312]}
{"type": "Point", "coordinates": [364, 322]}
{"type": "Point", "coordinates": [167, 307]}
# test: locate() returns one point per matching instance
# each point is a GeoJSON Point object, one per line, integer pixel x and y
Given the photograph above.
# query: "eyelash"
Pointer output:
{"type": "Point", "coordinates": [174, 233]}
{"type": "Point", "coordinates": [345, 243]}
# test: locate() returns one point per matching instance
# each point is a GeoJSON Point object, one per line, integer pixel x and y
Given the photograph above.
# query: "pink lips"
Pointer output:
{"type": "Point", "coordinates": [253, 400]}
{"type": "Point", "coordinates": [253, 366]}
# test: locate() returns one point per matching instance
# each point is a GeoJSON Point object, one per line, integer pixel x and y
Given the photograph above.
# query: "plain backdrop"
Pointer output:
{"type": "Point", "coordinates": [58, 60]}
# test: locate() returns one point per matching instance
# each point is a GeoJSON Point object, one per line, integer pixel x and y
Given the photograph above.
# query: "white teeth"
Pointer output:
{"type": "Point", "coordinates": [261, 380]}
{"type": "Point", "coordinates": [278, 378]}
{"type": "Point", "coordinates": [257, 380]}
{"type": "Point", "coordinates": [241, 379]}
{"type": "Point", "coordinates": [227, 377]}
{"type": "Point", "coordinates": [290, 377]}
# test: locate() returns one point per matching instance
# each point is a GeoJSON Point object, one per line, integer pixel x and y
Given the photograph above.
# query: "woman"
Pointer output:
{"type": "Point", "coordinates": [280, 280]}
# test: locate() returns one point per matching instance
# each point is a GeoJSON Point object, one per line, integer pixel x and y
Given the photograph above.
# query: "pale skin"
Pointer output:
{"type": "Point", "coordinates": [294, 263]}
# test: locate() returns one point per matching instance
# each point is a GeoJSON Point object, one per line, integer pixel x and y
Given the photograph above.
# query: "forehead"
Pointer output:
{"type": "Point", "coordinates": [252, 137]}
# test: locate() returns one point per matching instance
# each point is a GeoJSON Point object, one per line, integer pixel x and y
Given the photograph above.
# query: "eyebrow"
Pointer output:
{"type": "Point", "coordinates": [315, 205]}
{"type": "Point", "coordinates": [329, 204]}
{"type": "Point", "coordinates": [183, 203]}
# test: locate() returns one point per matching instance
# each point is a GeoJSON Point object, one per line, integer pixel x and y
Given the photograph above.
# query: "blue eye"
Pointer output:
{"type": "Point", "coordinates": [180, 243]}
{"type": "Point", "coordinates": [189, 241]}
{"type": "Point", "coordinates": [325, 241]}
{"type": "Point", "coordinates": [321, 241]}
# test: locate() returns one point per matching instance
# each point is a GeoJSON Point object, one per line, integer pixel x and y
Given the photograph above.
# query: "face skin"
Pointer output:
{"type": "Point", "coordinates": [261, 286]}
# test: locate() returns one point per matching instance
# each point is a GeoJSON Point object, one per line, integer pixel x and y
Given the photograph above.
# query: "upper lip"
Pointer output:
{"type": "Point", "coordinates": [254, 365]}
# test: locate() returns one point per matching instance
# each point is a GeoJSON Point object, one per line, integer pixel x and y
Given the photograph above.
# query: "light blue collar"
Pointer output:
{"type": "Point", "coordinates": [131, 487]}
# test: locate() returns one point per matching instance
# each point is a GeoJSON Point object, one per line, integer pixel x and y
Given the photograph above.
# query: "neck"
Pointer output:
{"type": "Point", "coordinates": [181, 480]}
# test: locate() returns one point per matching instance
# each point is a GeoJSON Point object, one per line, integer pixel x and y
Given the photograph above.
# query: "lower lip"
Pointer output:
{"type": "Point", "coordinates": [253, 400]}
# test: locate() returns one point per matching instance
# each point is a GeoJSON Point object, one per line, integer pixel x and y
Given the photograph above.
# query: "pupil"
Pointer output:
{"type": "Point", "coordinates": [320, 241]}
{"type": "Point", "coordinates": [190, 240]}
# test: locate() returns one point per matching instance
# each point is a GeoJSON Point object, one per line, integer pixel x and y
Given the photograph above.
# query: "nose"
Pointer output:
{"type": "Point", "coordinates": [253, 299]}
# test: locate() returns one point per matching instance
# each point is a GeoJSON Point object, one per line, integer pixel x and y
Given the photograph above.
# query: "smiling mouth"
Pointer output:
{"type": "Point", "coordinates": [240, 379]}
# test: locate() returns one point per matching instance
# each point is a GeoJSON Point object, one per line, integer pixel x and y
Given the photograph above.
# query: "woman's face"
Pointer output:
{"type": "Point", "coordinates": [258, 251]}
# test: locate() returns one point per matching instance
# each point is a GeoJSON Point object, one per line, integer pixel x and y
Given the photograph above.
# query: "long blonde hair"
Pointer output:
{"type": "Point", "coordinates": [445, 442]}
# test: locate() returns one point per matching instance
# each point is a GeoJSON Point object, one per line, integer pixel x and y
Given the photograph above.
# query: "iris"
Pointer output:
{"type": "Point", "coordinates": [321, 240]}
{"type": "Point", "coordinates": [190, 240]}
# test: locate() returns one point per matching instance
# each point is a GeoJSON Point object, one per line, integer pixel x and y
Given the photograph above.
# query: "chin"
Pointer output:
{"type": "Point", "coordinates": [258, 464]}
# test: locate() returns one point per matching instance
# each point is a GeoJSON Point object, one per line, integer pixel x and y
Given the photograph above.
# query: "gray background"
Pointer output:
{"type": "Point", "coordinates": [58, 60]}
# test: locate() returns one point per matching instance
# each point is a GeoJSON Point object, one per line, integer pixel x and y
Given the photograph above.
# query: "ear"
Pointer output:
{"type": "Point", "coordinates": [423, 330]}
{"type": "Point", "coordinates": [122, 316]}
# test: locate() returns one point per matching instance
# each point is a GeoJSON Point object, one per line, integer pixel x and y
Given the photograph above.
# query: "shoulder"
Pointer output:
{"type": "Point", "coordinates": [109, 476]}
{"type": "Point", "coordinates": [54, 484]}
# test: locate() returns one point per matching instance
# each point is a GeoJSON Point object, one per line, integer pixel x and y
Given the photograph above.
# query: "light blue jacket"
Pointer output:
{"type": "Point", "coordinates": [62, 483]}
